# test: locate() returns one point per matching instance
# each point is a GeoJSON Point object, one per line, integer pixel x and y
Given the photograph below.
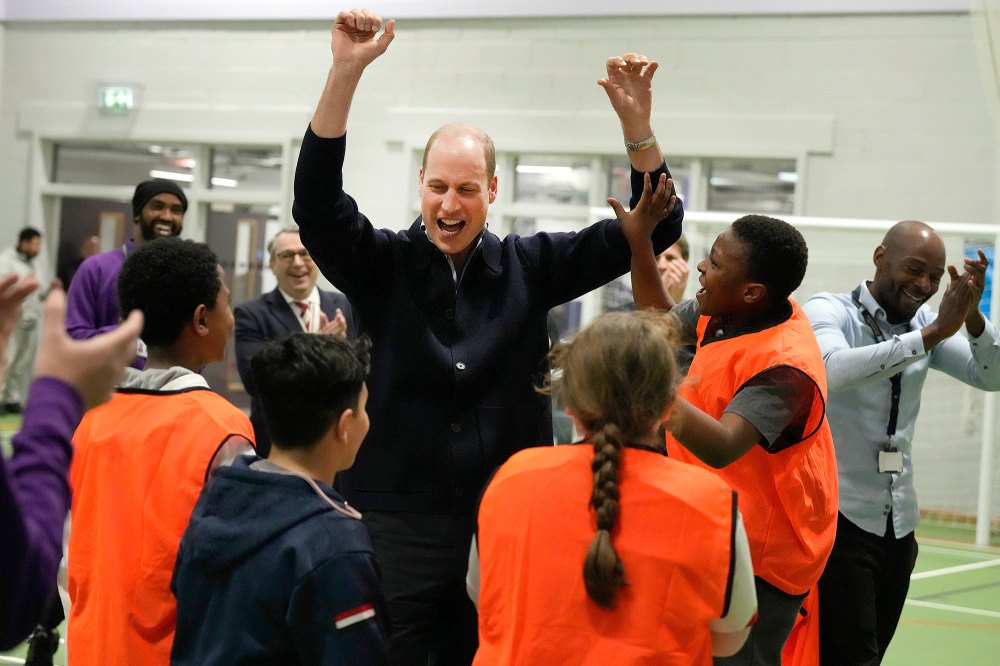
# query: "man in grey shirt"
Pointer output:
{"type": "Point", "coordinates": [878, 343]}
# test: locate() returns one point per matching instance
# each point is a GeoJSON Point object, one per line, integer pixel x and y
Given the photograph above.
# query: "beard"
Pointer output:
{"type": "Point", "coordinates": [898, 307]}
{"type": "Point", "coordinates": [148, 229]}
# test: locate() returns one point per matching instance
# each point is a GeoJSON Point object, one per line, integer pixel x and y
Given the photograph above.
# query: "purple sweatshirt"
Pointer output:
{"type": "Point", "coordinates": [34, 499]}
{"type": "Point", "coordinates": [92, 298]}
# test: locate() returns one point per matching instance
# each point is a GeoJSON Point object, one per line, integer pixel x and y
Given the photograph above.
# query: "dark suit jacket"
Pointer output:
{"type": "Point", "coordinates": [269, 317]}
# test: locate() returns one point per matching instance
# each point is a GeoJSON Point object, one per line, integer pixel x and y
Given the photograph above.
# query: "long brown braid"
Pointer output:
{"type": "Point", "coordinates": [603, 571]}
{"type": "Point", "coordinates": [617, 376]}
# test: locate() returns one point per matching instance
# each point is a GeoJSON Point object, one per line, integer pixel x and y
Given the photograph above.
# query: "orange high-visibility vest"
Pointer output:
{"type": "Point", "coordinates": [674, 536]}
{"type": "Point", "coordinates": [788, 499]}
{"type": "Point", "coordinates": [138, 467]}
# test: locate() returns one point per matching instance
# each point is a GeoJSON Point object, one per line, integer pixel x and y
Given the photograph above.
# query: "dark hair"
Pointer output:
{"type": "Point", "coordinates": [777, 253]}
{"type": "Point", "coordinates": [305, 382]}
{"type": "Point", "coordinates": [618, 376]}
{"type": "Point", "coordinates": [27, 234]}
{"type": "Point", "coordinates": [167, 279]}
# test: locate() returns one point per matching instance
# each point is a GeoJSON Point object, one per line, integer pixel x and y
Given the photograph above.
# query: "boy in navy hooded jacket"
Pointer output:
{"type": "Point", "coordinates": [275, 567]}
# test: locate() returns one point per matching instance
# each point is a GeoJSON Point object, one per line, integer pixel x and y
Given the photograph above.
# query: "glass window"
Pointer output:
{"type": "Point", "coordinates": [564, 320]}
{"type": "Point", "coordinates": [617, 295]}
{"type": "Point", "coordinates": [246, 168]}
{"type": "Point", "coordinates": [620, 179]}
{"type": "Point", "coordinates": [120, 163]}
{"type": "Point", "coordinates": [238, 234]}
{"type": "Point", "coordinates": [558, 179]}
{"type": "Point", "coordinates": [525, 226]}
{"type": "Point", "coordinates": [752, 185]}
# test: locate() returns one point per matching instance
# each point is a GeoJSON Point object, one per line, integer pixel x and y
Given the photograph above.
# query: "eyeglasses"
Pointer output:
{"type": "Point", "coordinates": [288, 256]}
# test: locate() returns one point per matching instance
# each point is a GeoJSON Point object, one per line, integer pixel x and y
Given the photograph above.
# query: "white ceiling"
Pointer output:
{"type": "Point", "coordinates": [235, 10]}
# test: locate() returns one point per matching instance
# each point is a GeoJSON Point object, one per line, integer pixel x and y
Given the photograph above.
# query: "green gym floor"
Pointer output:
{"type": "Point", "coordinates": [952, 613]}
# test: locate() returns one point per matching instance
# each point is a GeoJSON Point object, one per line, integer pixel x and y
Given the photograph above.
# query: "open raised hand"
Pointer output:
{"type": "Point", "coordinates": [629, 86]}
{"type": "Point", "coordinates": [94, 366]}
{"type": "Point", "coordinates": [653, 206]}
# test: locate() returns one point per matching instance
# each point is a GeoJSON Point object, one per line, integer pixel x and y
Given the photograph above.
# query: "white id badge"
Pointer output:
{"type": "Point", "coordinates": [890, 461]}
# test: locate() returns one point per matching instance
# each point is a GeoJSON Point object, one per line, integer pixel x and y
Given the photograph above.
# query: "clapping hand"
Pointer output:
{"type": "Point", "coordinates": [338, 326]}
{"type": "Point", "coordinates": [12, 292]}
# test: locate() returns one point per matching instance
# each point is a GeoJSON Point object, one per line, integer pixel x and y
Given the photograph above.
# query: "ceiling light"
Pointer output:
{"type": "Point", "coordinates": [171, 175]}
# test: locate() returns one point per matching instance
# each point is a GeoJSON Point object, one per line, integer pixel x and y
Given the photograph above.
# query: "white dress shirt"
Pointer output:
{"type": "Point", "coordinates": [313, 311]}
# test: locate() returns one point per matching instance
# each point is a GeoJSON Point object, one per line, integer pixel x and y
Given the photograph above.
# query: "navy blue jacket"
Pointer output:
{"type": "Point", "coordinates": [452, 384]}
{"type": "Point", "coordinates": [269, 573]}
{"type": "Point", "coordinates": [269, 317]}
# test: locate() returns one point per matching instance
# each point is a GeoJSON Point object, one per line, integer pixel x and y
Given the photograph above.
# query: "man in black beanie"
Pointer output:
{"type": "Point", "coordinates": [158, 208]}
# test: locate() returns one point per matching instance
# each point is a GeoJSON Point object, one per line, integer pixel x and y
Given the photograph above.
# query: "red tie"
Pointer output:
{"type": "Point", "coordinates": [303, 309]}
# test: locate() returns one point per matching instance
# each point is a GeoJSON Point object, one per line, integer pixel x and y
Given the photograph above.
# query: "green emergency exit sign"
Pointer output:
{"type": "Point", "coordinates": [115, 99]}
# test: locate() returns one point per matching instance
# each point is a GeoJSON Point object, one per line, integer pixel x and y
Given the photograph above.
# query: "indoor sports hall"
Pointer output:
{"type": "Point", "coordinates": [840, 117]}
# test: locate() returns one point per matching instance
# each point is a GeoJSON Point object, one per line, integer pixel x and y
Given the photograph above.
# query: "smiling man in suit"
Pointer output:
{"type": "Point", "coordinates": [296, 304]}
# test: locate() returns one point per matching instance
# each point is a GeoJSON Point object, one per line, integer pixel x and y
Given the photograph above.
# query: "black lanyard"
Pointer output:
{"type": "Point", "coordinates": [896, 380]}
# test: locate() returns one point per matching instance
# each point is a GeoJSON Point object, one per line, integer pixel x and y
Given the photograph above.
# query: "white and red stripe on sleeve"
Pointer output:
{"type": "Point", "coordinates": [353, 616]}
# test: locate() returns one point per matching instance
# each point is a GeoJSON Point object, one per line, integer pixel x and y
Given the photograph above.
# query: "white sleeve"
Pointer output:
{"type": "Point", "coordinates": [730, 631]}
{"type": "Point", "coordinates": [472, 577]}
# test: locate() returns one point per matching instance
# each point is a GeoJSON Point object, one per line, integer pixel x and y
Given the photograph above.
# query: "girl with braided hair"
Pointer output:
{"type": "Point", "coordinates": [606, 551]}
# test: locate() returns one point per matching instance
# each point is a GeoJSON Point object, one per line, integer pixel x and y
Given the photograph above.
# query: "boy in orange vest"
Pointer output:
{"type": "Point", "coordinates": [753, 404]}
{"type": "Point", "coordinates": [141, 459]}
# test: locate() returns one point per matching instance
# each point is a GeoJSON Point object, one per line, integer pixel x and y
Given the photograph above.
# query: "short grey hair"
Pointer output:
{"type": "Point", "coordinates": [290, 229]}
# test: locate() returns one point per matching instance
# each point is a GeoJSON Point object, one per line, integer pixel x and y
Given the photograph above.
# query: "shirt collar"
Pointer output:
{"type": "Point", "coordinates": [487, 245]}
{"type": "Point", "coordinates": [719, 329]}
{"type": "Point", "coordinates": [868, 301]}
{"type": "Point", "coordinates": [312, 298]}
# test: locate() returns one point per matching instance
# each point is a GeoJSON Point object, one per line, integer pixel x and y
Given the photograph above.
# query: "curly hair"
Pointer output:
{"type": "Point", "coordinates": [777, 254]}
{"type": "Point", "coordinates": [167, 279]}
{"type": "Point", "coordinates": [618, 375]}
{"type": "Point", "coordinates": [305, 382]}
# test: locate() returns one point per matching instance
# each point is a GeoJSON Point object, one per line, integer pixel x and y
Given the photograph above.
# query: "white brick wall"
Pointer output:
{"type": "Point", "coordinates": [913, 132]}
{"type": "Point", "coordinates": [897, 106]}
